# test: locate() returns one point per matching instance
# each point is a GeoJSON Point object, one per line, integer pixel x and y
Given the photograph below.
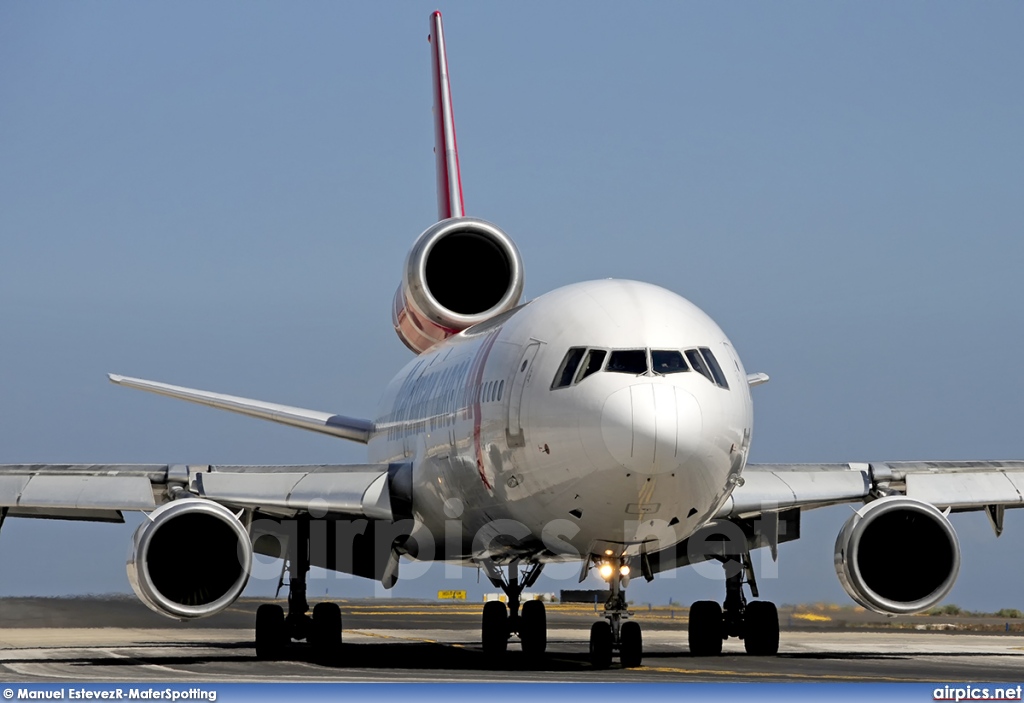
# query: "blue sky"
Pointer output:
{"type": "Point", "coordinates": [221, 196]}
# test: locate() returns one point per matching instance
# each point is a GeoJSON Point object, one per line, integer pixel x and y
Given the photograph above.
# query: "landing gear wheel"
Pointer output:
{"type": "Point", "coordinates": [631, 645]}
{"type": "Point", "coordinates": [533, 628]}
{"type": "Point", "coordinates": [705, 629]}
{"type": "Point", "coordinates": [601, 645]}
{"type": "Point", "coordinates": [325, 632]}
{"type": "Point", "coordinates": [761, 625]}
{"type": "Point", "coordinates": [271, 636]}
{"type": "Point", "coordinates": [494, 629]}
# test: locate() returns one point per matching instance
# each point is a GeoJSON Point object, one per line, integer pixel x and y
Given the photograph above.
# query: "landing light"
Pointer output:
{"type": "Point", "coordinates": [624, 570]}
{"type": "Point", "coordinates": [605, 570]}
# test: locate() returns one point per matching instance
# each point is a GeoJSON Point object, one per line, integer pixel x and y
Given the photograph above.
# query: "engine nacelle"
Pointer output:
{"type": "Point", "coordinates": [189, 559]}
{"type": "Point", "coordinates": [897, 555]}
{"type": "Point", "coordinates": [460, 272]}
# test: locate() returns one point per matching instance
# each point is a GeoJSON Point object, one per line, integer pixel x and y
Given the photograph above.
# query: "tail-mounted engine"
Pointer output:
{"type": "Point", "coordinates": [897, 555]}
{"type": "Point", "coordinates": [461, 271]}
{"type": "Point", "coordinates": [190, 558]}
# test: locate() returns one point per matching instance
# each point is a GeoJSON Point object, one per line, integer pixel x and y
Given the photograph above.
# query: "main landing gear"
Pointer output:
{"type": "Point", "coordinates": [275, 631]}
{"type": "Point", "coordinates": [756, 622]}
{"type": "Point", "coordinates": [501, 622]}
{"type": "Point", "coordinates": [613, 633]}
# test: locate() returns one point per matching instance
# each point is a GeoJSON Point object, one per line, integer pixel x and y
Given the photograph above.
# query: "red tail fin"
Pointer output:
{"type": "Point", "coordinates": [446, 149]}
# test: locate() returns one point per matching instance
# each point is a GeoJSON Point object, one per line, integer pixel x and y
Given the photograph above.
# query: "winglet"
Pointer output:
{"type": "Point", "coordinates": [446, 149]}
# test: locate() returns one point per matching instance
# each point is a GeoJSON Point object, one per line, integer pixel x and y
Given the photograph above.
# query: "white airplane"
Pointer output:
{"type": "Point", "coordinates": [607, 422]}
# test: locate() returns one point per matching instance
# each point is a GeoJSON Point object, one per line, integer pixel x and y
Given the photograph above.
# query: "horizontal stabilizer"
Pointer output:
{"type": "Point", "coordinates": [327, 423]}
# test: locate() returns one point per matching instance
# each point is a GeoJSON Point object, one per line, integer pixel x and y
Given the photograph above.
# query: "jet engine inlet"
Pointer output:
{"type": "Point", "coordinates": [897, 555]}
{"type": "Point", "coordinates": [460, 272]}
{"type": "Point", "coordinates": [191, 558]}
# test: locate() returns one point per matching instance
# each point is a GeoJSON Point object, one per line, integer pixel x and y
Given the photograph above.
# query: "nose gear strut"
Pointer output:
{"type": "Point", "coordinates": [616, 631]}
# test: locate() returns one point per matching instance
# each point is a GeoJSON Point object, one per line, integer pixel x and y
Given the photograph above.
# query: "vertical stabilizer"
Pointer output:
{"type": "Point", "coordinates": [446, 150]}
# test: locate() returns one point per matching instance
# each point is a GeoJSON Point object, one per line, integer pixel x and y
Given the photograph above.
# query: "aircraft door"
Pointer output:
{"type": "Point", "coordinates": [514, 432]}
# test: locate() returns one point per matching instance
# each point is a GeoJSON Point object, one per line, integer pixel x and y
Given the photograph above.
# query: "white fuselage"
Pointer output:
{"type": "Point", "coordinates": [506, 466]}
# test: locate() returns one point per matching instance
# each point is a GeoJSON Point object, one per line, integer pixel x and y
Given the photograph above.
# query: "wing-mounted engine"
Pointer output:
{"type": "Point", "coordinates": [460, 272]}
{"type": "Point", "coordinates": [189, 559]}
{"type": "Point", "coordinates": [897, 555]}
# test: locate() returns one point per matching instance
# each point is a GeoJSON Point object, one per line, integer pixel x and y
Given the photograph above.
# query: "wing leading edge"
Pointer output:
{"type": "Point", "coordinates": [764, 509]}
{"type": "Point", "coordinates": [959, 486]}
{"type": "Point", "coordinates": [101, 491]}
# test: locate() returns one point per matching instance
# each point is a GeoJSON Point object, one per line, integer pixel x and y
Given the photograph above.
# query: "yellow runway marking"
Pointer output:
{"type": "Point", "coordinates": [397, 637]}
{"type": "Point", "coordinates": [777, 675]}
{"type": "Point", "coordinates": [407, 612]}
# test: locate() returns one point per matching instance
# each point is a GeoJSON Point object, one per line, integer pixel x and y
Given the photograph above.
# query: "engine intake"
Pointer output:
{"type": "Point", "coordinates": [897, 555]}
{"type": "Point", "coordinates": [459, 272]}
{"type": "Point", "coordinates": [191, 558]}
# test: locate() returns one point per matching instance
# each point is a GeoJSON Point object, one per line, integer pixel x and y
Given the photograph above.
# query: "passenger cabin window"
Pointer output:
{"type": "Point", "coordinates": [592, 364]}
{"type": "Point", "coordinates": [568, 368]}
{"type": "Point", "coordinates": [698, 364]}
{"type": "Point", "coordinates": [716, 370]}
{"type": "Point", "coordinates": [632, 361]}
{"type": "Point", "coordinates": [666, 361]}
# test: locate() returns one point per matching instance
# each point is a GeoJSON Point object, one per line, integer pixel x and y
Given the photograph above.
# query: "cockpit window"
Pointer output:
{"type": "Point", "coordinates": [568, 368]}
{"type": "Point", "coordinates": [632, 361]}
{"type": "Point", "coordinates": [716, 370]}
{"type": "Point", "coordinates": [581, 362]}
{"type": "Point", "coordinates": [697, 362]}
{"type": "Point", "coordinates": [592, 364]}
{"type": "Point", "coordinates": [665, 361]}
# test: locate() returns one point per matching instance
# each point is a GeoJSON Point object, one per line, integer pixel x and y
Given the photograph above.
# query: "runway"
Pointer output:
{"type": "Point", "coordinates": [102, 640]}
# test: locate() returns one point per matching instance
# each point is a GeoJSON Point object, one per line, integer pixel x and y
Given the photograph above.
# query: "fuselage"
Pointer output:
{"type": "Point", "coordinates": [603, 418]}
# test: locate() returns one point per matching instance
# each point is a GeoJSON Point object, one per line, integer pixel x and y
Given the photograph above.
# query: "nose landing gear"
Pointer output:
{"type": "Point", "coordinates": [616, 632]}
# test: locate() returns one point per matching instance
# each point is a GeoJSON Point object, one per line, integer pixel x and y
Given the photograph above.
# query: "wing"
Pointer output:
{"type": "Point", "coordinates": [764, 508]}
{"type": "Point", "coordinates": [960, 486]}
{"type": "Point", "coordinates": [101, 492]}
{"type": "Point", "coordinates": [314, 420]}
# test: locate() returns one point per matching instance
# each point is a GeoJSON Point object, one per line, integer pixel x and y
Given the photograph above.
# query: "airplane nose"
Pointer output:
{"type": "Point", "coordinates": [651, 428]}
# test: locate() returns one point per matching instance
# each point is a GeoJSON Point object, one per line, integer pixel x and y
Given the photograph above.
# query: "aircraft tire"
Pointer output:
{"type": "Point", "coordinates": [533, 628]}
{"type": "Point", "coordinates": [271, 635]}
{"type": "Point", "coordinates": [761, 625]}
{"type": "Point", "coordinates": [704, 632]}
{"type": "Point", "coordinates": [494, 628]}
{"type": "Point", "coordinates": [631, 645]}
{"type": "Point", "coordinates": [325, 633]}
{"type": "Point", "coordinates": [601, 644]}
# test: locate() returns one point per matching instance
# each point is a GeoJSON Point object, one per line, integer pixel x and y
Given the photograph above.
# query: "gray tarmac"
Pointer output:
{"type": "Point", "coordinates": [99, 640]}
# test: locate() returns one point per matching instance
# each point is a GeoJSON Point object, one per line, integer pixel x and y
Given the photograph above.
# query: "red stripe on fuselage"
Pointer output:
{"type": "Point", "coordinates": [476, 376]}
